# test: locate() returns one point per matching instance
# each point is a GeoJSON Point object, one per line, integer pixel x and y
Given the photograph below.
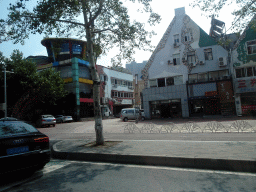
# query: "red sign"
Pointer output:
{"type": "Point", "coordinates": [86, 100]}
{"type": "Point", "coordinates": [246, 108]}
{"type": "Point", "coordinates": [211, 93]}
{"type": "Point", "coordinates": [253, 81]}
{"type": "Point", "coordinates": [241, 84]}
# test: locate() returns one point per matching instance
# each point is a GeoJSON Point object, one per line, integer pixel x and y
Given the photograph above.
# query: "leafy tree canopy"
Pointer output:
{"type": "Point", "coordinates": [244, 13]}
{"type": "Point", "coordinates": [108, 20]}
{"type": "Point", "coordinates": [46, 86]}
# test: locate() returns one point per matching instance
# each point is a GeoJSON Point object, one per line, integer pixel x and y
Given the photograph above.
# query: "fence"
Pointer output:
{"type": "Point", "coordinates": [191, 127]}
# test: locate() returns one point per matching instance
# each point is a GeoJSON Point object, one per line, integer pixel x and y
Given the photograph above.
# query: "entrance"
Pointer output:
{"type": "Point", "coordinates": [205, 106]}
{"type": "Point", "coordinates": [166, 109]}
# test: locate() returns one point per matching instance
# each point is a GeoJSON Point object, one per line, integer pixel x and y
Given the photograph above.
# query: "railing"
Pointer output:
{"type": "Point", "coordinates": [191, 127]}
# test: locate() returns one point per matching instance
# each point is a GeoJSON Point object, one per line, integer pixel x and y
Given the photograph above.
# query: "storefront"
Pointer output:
{"type": "Point", "coordinates": [205, 105]}
{"type": "Point", "coordinates": [166, 109]}
{"type": "Point", "coordinates": [245, 95]}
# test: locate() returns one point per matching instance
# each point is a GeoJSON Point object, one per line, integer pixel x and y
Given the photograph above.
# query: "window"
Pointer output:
{"type": "Point", "coordinates": [187, 36]}
{"type": "Point", "coordinates": [249, 71]}
{"type": "Point", "coordinates": [240, 73]}
{"type": "Point", "coordinates": [176, 39]}
{"type": "Point", "coordinates": [161, 82]}
{"type": "Point", "coordinates": [105, 78]}
{"type": "Point", "coordinates": [208, 54]}
{"type": "Point", "coordinates": [176, 59]}
{"type": "Point", "coordinates": [192, 78]}
{"type": "Point", "coordinates": [152, 83]}
{"type": "Point", "coordinates": [213, 75]}
{"type": "Point", "coordinates": [116, 94]}
{"type": "Point", "coordinates": [119, 95]}
{"type": "Point", "coordinates": [223, 73]}
{"type": "Point", "coordinates": [191, 57]}
{"type": "Point", "coordinates": [178, 80]}
{"type": "Point", "coordinates": [113, 94]}
{"type": "Point", "coordinates": [170, 81]}
{"type": "Point", "coordinates": [112, 81]}
{"type": "Point", "coordinates": [125, 95]}
{"type": "Point", "coordinates": [202, 77]}
{"type": "Point", "coordinates": [130, 111]}
{"type": "Point", "coordinates": [251, 47]}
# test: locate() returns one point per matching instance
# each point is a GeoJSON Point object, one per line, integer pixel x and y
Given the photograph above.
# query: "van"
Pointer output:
{"type": "Point", "coordinates": [131, 114]}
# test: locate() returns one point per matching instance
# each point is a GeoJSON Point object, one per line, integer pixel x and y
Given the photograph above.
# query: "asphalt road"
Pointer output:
{"type": "Point", "coordinates": [113, 129]}
{"type": "Point", "coordinates": [68, 176]}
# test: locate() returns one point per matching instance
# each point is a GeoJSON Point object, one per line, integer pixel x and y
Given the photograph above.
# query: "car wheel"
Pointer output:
{"type": "Point", "coordinates": [125, 119]}
{"type": "Point", "coordinates": [142, 118]}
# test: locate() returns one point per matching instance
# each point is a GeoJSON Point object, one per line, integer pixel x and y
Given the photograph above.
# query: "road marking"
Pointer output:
{"type": "Point", "coordinates": [170, 168]}
{"type": "Point", "coordinates": [54, 165]}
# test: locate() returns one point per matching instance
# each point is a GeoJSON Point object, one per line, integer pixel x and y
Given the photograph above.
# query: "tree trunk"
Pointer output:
{"type": "Point", "coordinates": [96, 81]}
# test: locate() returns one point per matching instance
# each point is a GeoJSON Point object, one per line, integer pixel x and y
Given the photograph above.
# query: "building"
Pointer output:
{"type": "Point", "coordinates": [116, 89]}
{"type": "Point", "coordinates": [68, 56]}
{"type": "Point", "coordinates": [186, 73]}
{"type": "Point", "coordinates": [138, 83]}
{"type": "Point", "coordinates": [244, 72]}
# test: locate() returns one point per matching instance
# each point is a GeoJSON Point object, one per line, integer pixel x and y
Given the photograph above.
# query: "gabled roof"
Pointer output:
{"type": "Point", "coordinates": [205, 39]}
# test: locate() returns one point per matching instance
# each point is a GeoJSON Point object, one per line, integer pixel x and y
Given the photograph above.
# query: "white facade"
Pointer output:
{"type": "Point", "coordinates": [119, 88]}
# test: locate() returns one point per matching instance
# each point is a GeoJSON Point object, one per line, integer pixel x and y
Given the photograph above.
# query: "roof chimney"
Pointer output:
{"type": "Point", "coordinates": [180, 11]}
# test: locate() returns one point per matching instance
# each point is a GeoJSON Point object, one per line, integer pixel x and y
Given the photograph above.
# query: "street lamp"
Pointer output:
{"type": "Point", "coordinates": [5, 93]}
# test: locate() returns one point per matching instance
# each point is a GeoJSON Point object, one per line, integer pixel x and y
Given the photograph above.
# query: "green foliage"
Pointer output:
{"type": "Point", "coordinates": [107, 20]}
{"type": "Point", "coordinates": [243, 15]}
{"type": "Point", "coordinates": [46, 86]}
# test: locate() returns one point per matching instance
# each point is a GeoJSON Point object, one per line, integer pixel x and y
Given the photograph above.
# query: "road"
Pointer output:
{"type": "Point", "coordinates": [113, 129]}
{"type": "Point", "coordinates": [63, 176]}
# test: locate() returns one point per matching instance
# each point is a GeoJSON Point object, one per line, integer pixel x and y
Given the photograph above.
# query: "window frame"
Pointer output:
{"type": "Point", "coordinates": [207, 53]}
{"type": "Point", "coordinates": [254, 45]}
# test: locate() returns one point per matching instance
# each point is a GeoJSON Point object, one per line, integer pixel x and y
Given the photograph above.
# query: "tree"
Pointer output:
{"type": "Point", "coordinates": [27, 87]}
{"type": "Point", "coordinates": [105, 23]}
{"type": "Point", "coordinates": [243, 15]}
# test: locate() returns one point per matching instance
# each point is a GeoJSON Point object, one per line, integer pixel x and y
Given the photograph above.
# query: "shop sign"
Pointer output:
{"type": "Point", "coordinates": [246, 108]}
{"type": "Point", "coordinates": [225, 91]}
{"type": "Point", "coordinates": [245, 85]}
{"type": "Point", "coordinates": [211, 93]}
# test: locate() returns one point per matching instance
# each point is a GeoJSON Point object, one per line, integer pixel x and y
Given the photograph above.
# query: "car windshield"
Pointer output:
{"type": "Point", "coordinates": [13, 128]}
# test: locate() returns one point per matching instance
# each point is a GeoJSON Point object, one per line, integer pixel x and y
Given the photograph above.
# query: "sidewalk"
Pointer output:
{"type": "Point", "coordinates": [214, 155]}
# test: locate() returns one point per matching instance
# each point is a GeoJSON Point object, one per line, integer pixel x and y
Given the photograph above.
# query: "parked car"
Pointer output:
{"type": "Point", "coordinates": [46, 120]}
{"type": "Point", "coordinates": [62, 118]}
{"type": "Point", "coordinates": [131, 113]}
{"type": "Point", "coordinates": [22, 146]}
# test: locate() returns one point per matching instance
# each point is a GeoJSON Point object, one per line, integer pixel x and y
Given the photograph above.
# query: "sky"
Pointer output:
{"type": "Point", "coordinates": [165, 8]}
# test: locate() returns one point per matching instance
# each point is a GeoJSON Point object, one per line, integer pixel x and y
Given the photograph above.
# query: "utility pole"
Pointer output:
{"type": "Point", "coordinates": [5, 92]}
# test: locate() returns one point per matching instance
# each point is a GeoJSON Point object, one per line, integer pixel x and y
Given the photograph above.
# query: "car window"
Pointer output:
{"type": "Point", "coordinates": [47, 116]}
{"type": "Point", "coordinates": [12, 128]}
{"type": "Point", "coordinates": [124, 111]}
{"type": "Point", "coordinates": [130, 111]}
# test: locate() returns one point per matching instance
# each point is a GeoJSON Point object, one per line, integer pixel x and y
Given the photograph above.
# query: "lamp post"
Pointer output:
{"type": "Point", "coordinates": [5, 92]}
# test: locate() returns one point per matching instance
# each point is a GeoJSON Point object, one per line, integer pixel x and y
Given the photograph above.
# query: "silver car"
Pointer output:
{"type": "Point", "coordinates": [46, 120]}
{"type": "Point", "coordinates": [131, 114]}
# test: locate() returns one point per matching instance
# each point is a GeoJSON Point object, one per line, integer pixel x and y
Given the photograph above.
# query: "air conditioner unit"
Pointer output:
{"type": "Point", "coordinates": [201, 62]}
{"type": "Point", "coordinates": [222, 61]}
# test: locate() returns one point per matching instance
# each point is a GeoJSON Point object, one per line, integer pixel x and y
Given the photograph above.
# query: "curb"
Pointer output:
{"type": "Point", "coordinates": [182, 162]}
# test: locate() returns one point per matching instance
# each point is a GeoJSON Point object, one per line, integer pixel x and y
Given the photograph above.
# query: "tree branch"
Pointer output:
{"type": "Point", "coordinates": [96, 14]}
{"type": "Point", "coordinates": [59, 20]}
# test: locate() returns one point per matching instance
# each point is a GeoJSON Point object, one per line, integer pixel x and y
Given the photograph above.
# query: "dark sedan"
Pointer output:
{"type": "Point", "coordinates": [22, 146]}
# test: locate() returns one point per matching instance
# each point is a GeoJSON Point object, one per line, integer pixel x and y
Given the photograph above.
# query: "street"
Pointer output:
{"type": "Point", "coordinates": [84, 176]}
{"type": "Point", "coordinates": [114, 129]}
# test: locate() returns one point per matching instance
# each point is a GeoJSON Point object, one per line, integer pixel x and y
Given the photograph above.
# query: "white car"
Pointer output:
{"type": "Point", "coordinates": [46, 120]}
{"type": "Point", "coordinates": [63, 119]}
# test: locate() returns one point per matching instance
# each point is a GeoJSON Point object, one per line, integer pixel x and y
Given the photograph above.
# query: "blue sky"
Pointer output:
{"type": "Point", "coordinates": [163, 7]}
